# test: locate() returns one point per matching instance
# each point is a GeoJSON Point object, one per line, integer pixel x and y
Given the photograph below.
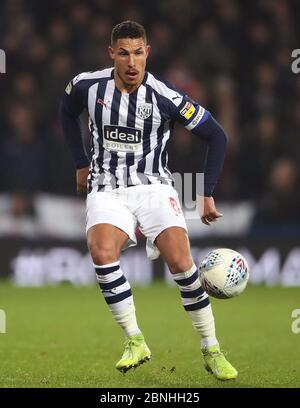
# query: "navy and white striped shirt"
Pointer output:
{"type": "Point", "coordinates": [129, 132]}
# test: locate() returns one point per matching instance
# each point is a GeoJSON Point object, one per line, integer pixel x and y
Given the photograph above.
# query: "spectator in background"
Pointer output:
{"type": "Point", "coordinates": [54, 78]}
{"type": "Point", "coordinates": [264, 94]}
{"type": "Point", "coordinates": [257, 153]}
{"type": "Point", "coordinates": [291, 147]}
{"type": "Point", "coordinates": [25, 92]}
{"type": "Point", "coordinates": [259, 32]}
{"type": "Point", "coordinates": [93, 47]}
{"type": "Point", "coordinates": [183, 77]}
{"type": "Point", "coordinates": [38, 54]}
{"type": "Point", "coordinates": [278, 211]}
{"type": "Point", "coordinates": [228, 14]}
{"type": "Point", "coordinates": [227, 108]}
{"type": "Point", "coordinates": [208, 52]}
{"type": "Point", "coordinates": [23, 158]}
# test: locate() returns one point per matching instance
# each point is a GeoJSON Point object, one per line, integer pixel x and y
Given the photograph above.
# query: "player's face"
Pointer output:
{"type": "Point", "coordinates": [129, 56]}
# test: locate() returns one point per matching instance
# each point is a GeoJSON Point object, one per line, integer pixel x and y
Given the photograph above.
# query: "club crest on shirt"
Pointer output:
{"type": "Point", "coordinates": [144, 110]}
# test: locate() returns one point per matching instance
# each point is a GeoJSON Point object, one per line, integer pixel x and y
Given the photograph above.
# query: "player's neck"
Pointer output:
{"type": "Point", "coordinates": [126, 88]}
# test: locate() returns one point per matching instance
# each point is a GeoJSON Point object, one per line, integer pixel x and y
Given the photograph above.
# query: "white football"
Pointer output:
{"type": "Point", "coordinates": [224, 273]}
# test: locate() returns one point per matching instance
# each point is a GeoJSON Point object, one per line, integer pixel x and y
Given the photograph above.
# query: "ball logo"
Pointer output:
{"type": "Point", "coordinates": [236, 272]}
{"type": "Point", "coordinates": [144, 110]}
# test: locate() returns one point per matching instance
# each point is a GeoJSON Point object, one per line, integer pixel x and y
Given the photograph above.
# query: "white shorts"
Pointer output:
{"type": "Point", "coordinates": [152, 208]}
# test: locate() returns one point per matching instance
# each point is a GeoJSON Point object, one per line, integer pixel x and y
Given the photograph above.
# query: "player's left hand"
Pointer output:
{"type": "Point", "coordinates": [207, 210]}
{"type": "Point", "coordinates": [81, 180]}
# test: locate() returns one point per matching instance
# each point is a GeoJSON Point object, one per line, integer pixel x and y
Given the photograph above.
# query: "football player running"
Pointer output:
{"type": "Point", "coordinates": [131, 116]}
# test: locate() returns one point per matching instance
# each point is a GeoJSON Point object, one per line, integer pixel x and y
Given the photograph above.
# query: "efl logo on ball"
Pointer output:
{"type": "Point", "coordinates": [224, 273]}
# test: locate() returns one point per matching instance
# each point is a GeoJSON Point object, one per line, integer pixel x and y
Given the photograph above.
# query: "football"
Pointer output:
{"type": "Point", "coordinates": [224, 273]}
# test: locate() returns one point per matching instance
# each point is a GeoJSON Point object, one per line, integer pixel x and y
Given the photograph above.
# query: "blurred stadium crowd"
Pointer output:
{"type": "Point", "coordinates": [232, 56]}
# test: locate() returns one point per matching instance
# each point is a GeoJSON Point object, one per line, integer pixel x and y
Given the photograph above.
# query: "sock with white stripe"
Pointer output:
{"type": "Point", "coordinates": [196, 302]}
{"type": "Point", "coordinates": [117, 294]}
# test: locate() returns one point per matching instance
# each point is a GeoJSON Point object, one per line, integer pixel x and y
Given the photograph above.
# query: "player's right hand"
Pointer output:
{"type": "Point", "coordinates": [81, 180]}
{"type": "Point", "coordinates": [207, 210]}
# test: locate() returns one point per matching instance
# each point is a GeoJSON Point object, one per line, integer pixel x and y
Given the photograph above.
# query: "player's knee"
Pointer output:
{"type": "Point", "coordinates": [103, 254]}
{"type": "Point", "coordinates": [180, 265]}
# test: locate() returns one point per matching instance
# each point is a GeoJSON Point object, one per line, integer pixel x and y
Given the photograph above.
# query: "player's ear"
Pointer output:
{"type": "Point", "coordinates": [111, 52]}
{"type": "Point", "coordinates": [148, 48]}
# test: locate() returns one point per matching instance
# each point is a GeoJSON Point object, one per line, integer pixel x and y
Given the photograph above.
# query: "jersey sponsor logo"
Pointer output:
{"type": "Point", "coordinates": [188, 110]}
{"type": "Point", "coordinates": [144, 110]}
{"type": "Point", "coordinates": [69, 88]}
{"type": "Point", "coordinates": [122, 139]}
{"type": "Point", "coordinates": [196, 119]}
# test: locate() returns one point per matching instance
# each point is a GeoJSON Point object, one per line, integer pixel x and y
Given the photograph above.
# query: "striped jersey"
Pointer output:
{"type": "Point", "coordinates": [129, 132]}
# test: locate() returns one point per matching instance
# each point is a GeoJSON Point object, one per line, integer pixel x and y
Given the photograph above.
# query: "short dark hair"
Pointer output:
{"type": "Point", "coordinates": [128, 29]}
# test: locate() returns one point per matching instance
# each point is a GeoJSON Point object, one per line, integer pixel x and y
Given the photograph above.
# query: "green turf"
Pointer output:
{"type": "Point", "coordinates": [64, 337]}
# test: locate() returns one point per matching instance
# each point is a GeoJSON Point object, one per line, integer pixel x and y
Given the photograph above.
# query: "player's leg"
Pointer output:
{"type": "Point", "coordinates": [162, 222]}
{"type": "Point", "coordinates": [173, 244]}
{"type": "Point", "coordinates": [105, 242]}
{"type": "Point", "coordinates": [110, 227]}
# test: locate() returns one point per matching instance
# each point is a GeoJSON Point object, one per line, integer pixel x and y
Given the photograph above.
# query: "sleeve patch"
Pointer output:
{"type": "Point", "coordinates": [197, 119]}
{"type": "Point", "coordinates": [188, 110]}
{"type": "Point", "coordinates": [69, 88]}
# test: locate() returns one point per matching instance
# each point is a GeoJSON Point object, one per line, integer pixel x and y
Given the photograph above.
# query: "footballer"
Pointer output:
{"type": "Point", "coordinates": [131, 116]}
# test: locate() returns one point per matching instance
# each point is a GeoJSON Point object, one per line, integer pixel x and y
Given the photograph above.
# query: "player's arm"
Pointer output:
{"type": "Point", "coordinates": [216, 138]}
{"type": "Point", "coordinates": [201, 123]}
{"type": "Point", "coordinates": [72, 105]}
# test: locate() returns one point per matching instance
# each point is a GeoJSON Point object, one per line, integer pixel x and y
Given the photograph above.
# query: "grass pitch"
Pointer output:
{"type": "Point", "coordinates": [64, 336]}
